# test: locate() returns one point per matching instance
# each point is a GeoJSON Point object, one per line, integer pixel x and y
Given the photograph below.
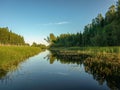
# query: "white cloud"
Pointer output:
{"type": "Point", "coordinates": [56, 23]}
{"type": "Point", "coordinates": [61, 23]}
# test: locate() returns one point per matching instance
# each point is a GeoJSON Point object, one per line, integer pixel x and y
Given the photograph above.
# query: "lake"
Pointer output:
{"type": "Point", "coordinates": [46, 71]}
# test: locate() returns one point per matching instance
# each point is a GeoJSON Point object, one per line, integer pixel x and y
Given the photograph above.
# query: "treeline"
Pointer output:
{"type": "Point", "coordinates": [42, 46]}
{"type": "Point", "coordinates": [7, 37]}
{"type": "Point", "coordinates": [103, 31]}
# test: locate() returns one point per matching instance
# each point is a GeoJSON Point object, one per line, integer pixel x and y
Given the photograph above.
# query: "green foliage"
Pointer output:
{"type": "Point", "coordinates": [110, 15]}
{"type": "Point", "coordinates": [8, 37]}
{"type": "Point", "coordinates": [67, 40]}
{"type": "Point", "coordinates": [42, 46]}
{"type": "Point", "coordinates": [103, 31]}
{"type": "Point", "coordinates": [51, 38]}
{"type": "Point", "coordinates": [118, 10]}
{"type": "Point", "coordinates": [34, 44]}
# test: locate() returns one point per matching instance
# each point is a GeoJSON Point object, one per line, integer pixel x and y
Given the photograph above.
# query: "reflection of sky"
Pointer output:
{"type": "Point", "coordinates": [38, 74]}
{"type": "Point", "coordinates": [35, 19]}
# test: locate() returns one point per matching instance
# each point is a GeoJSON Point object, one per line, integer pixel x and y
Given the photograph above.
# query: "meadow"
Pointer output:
{"type": "Point", "coordinates": [13, 55]}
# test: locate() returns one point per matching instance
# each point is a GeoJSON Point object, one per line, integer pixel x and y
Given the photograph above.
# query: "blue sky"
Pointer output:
{"type": "Point", "coordinates": [36, 19]}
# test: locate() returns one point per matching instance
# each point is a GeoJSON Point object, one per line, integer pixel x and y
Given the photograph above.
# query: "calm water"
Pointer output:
{"type": "Point", "coordinates": [46, 72]}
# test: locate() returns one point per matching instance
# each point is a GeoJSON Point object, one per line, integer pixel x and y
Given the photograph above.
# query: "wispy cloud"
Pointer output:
{"type": "Point", "coordinates": [61, 23]}
{"type": "Point", "coordinates": [56, 23]}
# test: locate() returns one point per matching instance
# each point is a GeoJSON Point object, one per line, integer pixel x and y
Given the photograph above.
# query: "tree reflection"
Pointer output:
{"type": "Point", "coordinates": [2, 73]}
{"type": "Point", "coordinates": [5, 68]}
{"type": "Point", "coordinates": [66, 59]}
{"type": "Point", "coordinates": [102, 70]}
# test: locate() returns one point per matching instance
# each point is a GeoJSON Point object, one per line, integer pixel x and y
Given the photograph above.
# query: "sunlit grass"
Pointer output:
{"type": "Point", "coordinates": [91, 49]}
{"type": "Point", "coordinates": [105, 53]}
{"type": "Point", "coordinates": [97, 49]}
{"type": "Point", "coordinates": [12, 55]}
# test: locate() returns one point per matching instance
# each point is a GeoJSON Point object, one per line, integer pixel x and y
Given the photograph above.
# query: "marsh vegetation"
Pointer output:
{"type": "Point", "coordinates": [102, 69]}
{"type": "Point", "coordinates": [11, 56]}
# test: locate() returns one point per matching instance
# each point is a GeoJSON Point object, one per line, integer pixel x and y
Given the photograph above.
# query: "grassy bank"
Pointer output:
{"type": "Point", "coordinates": [97, 49]}
{"type": "Point", "coordinates": [108, 53]}
{"type": "Point", "coordinates": [91, 49]}
{"type": "Point", "coordinates": [13, 55]}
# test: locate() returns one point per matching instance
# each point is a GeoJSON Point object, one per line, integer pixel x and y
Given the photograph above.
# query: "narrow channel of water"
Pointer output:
{"type": "Point", "coordinates": [47, 72]}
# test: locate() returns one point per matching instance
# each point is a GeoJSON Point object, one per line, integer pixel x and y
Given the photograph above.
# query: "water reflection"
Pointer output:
{"type": "Point", "coordinates": [64, 59]}
{"type": "Point", "coordinates": [103, 71]}
{"type": "Point", "coordinates": [6, 70]}
{"type": "Point", "coordinates": [2, 73]}
{"type": "Point", "coordinates": [49, 69]}
{"type": "Point", "coordinates": [9, 67]}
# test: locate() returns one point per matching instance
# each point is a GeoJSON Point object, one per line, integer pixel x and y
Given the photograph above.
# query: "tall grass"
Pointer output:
{"type": "Point", "coordinates": [109, 53]}
{"type": "Point", "coordinates": [97, 49]}
{"type": "Point", "coordinates": [12, 55]}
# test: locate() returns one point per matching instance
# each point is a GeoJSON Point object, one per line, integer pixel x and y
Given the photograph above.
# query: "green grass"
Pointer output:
{"type": "Point", "coordinates": [108, 53]}
{"type": "Point", "coordinates": [97, 49]}
{"type": "Point", "coordinates": [13, 55]}
{"type": "Point", "coordinates": [92, 49]}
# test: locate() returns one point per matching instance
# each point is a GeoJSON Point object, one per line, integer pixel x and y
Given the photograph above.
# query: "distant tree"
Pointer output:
{"type": "Point", "coordinates": [8, 37]}
{"type": "Point", "coordinates": [34, 44]}
{"type": "Point", "coordinates": [118, 9]}
{"type": "Point", "coordinates": [42, 46]}
{"type": "Point", "coordinates": [51, 38]}
{"type": "Point", "coordinates": [110, 15]}
{"type": "Point", "coordinates": [27, 44]}
{"type": "Point", "coordinates": [99, 19]}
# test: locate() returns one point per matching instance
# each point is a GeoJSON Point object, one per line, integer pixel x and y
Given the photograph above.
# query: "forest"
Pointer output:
{"type": "Point", "coordinates": [7, 37]}
{"type": "Point", "coordinates": [102, 31]}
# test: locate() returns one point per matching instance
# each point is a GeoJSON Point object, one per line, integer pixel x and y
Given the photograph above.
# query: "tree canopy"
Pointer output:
{"type": "Point", "coordinates": [103, 31]}
{"type": "Point", "coordinates": [8, 37]}
{"type": "Point", "coordinates": [42, 46]}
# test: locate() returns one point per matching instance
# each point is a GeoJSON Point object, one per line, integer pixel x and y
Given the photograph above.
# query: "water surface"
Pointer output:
{"type": "Point", "coordinates": [47, 72]}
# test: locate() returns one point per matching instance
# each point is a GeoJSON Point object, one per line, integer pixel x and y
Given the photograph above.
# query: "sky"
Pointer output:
{"type": "Point", "coordinates": [36, 19]}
